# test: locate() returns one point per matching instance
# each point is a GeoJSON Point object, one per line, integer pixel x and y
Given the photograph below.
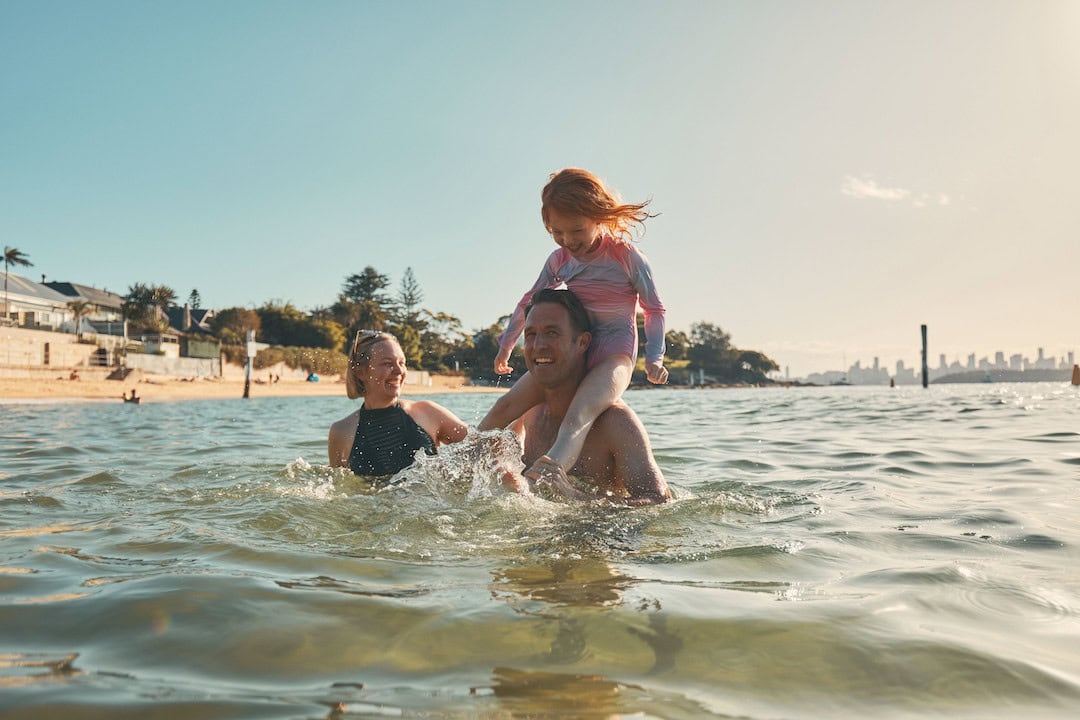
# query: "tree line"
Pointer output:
{"type": "Point", "coordinates": [318, 340]}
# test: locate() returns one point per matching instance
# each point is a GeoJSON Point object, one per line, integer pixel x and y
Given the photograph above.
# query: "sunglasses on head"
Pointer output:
{"type": "Point", "coordinates": [365, 336]}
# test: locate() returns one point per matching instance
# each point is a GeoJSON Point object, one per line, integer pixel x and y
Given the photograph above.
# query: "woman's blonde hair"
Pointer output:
{"type": "Point", "coordinates": [573, 191]}
{"type": "Point", "coordinates": [360, 357]}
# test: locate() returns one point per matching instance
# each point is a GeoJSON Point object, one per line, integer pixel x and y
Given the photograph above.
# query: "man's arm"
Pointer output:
{"type": "Point", "coordinates": [635, 466]}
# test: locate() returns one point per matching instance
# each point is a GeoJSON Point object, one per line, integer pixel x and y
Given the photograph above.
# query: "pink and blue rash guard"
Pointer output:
{"type": "Point", "coordinates": [610, 282]}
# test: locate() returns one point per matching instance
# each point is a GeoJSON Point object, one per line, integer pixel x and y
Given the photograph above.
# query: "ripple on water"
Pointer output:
{"type": "Point", "coordinates": [102, 479]}
{"type": "Point", "coordinates": [903, 540]}
{"type": "Point", "coordinates": [1019, 604]}
{"type": "Point", "coordinates": [901, 470]}
{"type": "Point", "coordinates": [908, 577]}
{"type": "Point", "coordinates": [1054, 437]}
{"type": "Point", "coordinates": [27, 499]}
{"type": "Point", "coordinates": [754, 466]}
{"type": "Point", "coordinates": [903, 454]}
{"type": "Point", "coordinates": [361, 589]}
{"type": "Point", "coordinates": [1035, 542]}
{"type": "Point", "coordinates": [58, 452]}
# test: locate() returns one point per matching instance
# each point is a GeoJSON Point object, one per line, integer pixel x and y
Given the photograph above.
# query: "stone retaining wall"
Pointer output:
{"type": "Point", "coordinates": [21, 348]}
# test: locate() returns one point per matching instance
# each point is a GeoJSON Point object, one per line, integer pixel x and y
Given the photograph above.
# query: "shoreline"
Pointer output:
{"type": "Point", "coordinates": [160, 388]}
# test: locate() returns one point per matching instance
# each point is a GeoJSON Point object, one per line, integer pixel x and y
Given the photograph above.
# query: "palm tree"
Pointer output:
{"type": "Point", "coordinates": [12, 256]}
{"type": "Point", "coordinates": [80, 309]}
{"type": "Point", "coordinates": [163, 296]}
{"type": "Point", "coordinates": [137, 304]}
{"type": "Point", "coordinates": [143, 302]}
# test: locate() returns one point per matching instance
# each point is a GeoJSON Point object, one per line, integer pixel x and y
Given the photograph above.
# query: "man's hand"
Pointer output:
{"type": "Point", "coordinates": [546, 473]}
{"type": "Point", "coordinates": [656, 372]}
{"type": "Point", "coordinates": [502, 450]}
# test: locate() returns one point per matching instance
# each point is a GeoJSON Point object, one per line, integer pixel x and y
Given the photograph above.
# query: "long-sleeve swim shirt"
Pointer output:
{"type": "Point", "coordinates": [611, 282]}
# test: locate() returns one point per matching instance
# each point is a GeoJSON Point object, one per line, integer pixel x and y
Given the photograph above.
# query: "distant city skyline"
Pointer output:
{"type": "Point", "coordinates": [903, 373]}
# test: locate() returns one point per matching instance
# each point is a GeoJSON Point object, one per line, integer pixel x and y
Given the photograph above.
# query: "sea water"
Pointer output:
{"type": "Point", "coordinates": [830, 553]}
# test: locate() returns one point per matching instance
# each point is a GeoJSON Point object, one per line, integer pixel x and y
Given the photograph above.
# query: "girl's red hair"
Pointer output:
{"type": "Point", "coordinates": [573, 191]}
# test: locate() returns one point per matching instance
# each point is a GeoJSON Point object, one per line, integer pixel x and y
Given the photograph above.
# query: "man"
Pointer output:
{"type": "Point", "coordinates": [616, 460]}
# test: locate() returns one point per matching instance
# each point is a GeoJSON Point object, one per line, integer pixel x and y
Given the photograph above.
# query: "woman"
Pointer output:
{"type": "Point", "coordinates": [382, 437]}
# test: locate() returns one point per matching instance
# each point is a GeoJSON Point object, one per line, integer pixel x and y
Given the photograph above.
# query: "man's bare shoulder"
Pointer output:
{"type": "Point", "coordinates": [619, 431]}
{"type": "Point", "coordinates": [618, 428]}
{"type": "Point", "coordinates": [620, 417]}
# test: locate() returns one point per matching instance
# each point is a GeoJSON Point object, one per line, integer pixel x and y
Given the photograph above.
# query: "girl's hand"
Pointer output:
{"type": "Point", "coordinates": [501, 366]}
{"type": "Point", "coordinates": [656, 372]}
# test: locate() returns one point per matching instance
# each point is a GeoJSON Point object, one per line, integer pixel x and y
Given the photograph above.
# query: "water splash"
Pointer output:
{"type": "Point", "coordinates": [310, 481]}
{"type": "Point", "coordinates": [482, 466]}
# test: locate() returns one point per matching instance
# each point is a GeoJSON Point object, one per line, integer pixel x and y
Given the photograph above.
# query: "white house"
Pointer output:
{"type": "Point", "coordinates": [33, 305]}
{"type": "Point", "coordinates": [106, 315]}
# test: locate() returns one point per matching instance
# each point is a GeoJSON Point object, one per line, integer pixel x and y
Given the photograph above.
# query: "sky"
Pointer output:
{"type": "Point", "coordinates": [828, 175]}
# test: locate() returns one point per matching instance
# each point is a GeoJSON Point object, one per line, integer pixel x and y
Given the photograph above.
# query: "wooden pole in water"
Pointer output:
{"type": "Point", "coordinates": [1076, 375]}
{"type": "Point", "coordinates": [925, 371]}
{"type": "Point", "coordinates": [247, 365]}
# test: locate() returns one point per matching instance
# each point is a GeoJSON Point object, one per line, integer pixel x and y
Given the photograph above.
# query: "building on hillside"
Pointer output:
{"type": "Point", "coordinates": [166, 344]}
{"type": "Point", "coordinates": [189, 319]}
{"type": "Point", "coordinates": [196, 338]}
{"type": "Point", "coordinates": [107, 314]}
{"type": "Point", "coordinates": [32, 305]}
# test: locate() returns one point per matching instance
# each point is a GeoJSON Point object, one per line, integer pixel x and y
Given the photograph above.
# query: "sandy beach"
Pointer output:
{"type": "Point", "coordinates": [160, 388]}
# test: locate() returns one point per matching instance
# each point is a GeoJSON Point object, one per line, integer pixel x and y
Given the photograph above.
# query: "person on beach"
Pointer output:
{"type": "Point", "coordinates": [597, 261]}
{"type": "Point", "coordinates": [616, 459]}
{"type": "Point", "coordinates": [383, 436]}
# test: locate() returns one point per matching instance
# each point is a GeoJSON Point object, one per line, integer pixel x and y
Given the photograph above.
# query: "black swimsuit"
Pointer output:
{"type": "Point", "coordinates": [386, 441]}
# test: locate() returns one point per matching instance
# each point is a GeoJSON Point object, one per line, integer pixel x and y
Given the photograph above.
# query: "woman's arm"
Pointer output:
{"type": "Point", "coordinates": [339, 445]}
{"type": "Point", "coordinates": [442, 425]}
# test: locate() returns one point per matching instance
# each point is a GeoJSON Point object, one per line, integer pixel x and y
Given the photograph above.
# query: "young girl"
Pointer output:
{"type": "Point", "coordinates": [611, 277]}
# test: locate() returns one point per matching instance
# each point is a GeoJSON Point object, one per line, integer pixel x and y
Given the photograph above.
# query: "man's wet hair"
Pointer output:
{"type": "Point", "coordinates": [579, 316]}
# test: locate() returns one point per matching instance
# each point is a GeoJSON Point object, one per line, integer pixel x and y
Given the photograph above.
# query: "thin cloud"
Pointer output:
{"type": "Point", "coordinates": [927, 199]}
{"type": "Point", "coordinates": [867, 188]}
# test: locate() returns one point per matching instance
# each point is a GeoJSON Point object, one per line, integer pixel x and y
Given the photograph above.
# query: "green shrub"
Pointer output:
{"type": "Point", "coordinates": [320, 361]}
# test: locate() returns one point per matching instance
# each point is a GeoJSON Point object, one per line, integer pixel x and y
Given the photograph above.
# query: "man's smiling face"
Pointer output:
{"type": "Point", "coordinates": [552, 352]}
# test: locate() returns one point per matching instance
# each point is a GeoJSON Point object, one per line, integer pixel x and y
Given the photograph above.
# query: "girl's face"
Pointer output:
{"type": "Point", "coordinates": [576, 233]}
{"type": "Point", "coordinates": [385, 375]}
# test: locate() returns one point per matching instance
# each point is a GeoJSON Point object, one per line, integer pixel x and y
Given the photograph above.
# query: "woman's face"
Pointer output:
{"type": "Point", "coordinates": [385, 374]}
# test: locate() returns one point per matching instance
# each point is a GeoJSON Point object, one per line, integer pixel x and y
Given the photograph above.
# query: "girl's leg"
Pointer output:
{"type": "Point", "coordinates": [514, 403]}
{"type": "Point", "coordinates": [599, 390]}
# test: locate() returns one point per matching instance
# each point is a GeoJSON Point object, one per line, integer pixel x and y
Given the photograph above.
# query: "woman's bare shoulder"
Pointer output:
{"type": "Point", "coordinates": [346, 424]}
{"type": "Point", "coordinates": [422, 406]}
